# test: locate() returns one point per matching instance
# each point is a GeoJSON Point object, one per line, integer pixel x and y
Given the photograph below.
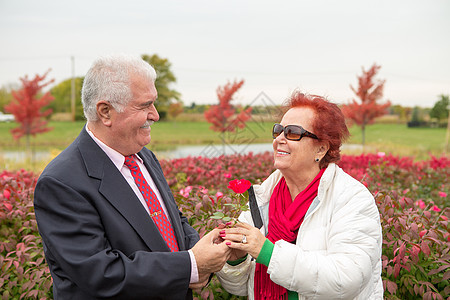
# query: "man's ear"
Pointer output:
{"type": "Point", "coordinates": [104, 109]}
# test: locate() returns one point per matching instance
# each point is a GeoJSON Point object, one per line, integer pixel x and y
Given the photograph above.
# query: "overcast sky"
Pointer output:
{"type": "Point", "coordinates": [316, 46]}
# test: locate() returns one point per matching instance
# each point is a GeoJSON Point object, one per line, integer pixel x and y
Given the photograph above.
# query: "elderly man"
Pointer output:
{"type": "Point", "coordinates": [108, 220]}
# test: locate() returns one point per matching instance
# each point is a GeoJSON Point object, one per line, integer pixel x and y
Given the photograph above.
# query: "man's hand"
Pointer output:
{"type": "Point", "coordinates": [203, 281]}
{"type": "Point", "coordinates": [237, 254]}
{"type": "Point", "coordinates": [210, 257]}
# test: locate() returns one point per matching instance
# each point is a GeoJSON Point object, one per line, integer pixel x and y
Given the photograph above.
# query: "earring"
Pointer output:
{"type": "Point", "coordinates": [316, 160]}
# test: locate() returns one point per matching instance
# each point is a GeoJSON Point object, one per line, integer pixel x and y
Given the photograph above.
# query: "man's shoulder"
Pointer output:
{"type": "Point", "coordinates": [66, 162]}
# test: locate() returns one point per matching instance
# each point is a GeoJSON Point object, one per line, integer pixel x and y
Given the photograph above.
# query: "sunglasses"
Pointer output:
{"type": "Point", "coordinates": [292, 132]}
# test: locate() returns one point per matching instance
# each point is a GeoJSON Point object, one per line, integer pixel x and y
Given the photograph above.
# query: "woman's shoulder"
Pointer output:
{"type": "Point", "coordinates": [345, 185]}
{"type": "Point", "coordinates": [335, 174]}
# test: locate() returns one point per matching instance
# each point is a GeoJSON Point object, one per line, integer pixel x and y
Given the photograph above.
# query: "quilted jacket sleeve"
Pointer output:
{"type": "Point", "coordinates": [234, 279]}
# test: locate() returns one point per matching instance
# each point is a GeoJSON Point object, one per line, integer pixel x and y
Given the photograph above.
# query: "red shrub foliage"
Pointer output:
{"type": "Point", "coordinates": [412, 198]}
{"type": "Point", "coordinates": [24, 272]}
{"type": "Point", "coordinates": [216, 172]}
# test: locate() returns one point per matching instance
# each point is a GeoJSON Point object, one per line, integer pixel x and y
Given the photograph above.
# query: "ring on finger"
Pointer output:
{"type": "Point", "coordinates": [244, 239]}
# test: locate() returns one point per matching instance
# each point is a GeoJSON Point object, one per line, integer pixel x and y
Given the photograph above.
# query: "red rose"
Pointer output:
{"type": "Point", "coordinates": [239, 185]}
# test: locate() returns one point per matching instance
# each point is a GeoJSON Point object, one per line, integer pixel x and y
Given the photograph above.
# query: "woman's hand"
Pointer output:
{"type": "Point", "coordinates": [251, 244]}
{"type": "Point", "coordinates": [235, 253]}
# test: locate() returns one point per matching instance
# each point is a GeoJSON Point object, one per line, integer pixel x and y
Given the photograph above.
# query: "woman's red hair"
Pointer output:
{"type": "Point", "coordinates": [328, 124]}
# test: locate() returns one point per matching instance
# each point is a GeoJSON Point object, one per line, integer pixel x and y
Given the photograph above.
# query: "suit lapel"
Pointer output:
{"type": "Point", "coordinates": [117, 191]}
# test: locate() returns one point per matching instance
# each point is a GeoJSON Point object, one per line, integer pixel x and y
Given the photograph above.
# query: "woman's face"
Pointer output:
{"type": "Point", "coordinates": [293, 157]}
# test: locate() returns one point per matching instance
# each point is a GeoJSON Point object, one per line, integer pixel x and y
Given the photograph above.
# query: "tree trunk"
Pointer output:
{"type": "Point", "coordinates": [30, 153]}
{"type": "Point", "coordinates": [363, 135]}
{"type": "Point", "coordinates": [447, 136]}
{"type": "Point", "coordinates": [27, 146]}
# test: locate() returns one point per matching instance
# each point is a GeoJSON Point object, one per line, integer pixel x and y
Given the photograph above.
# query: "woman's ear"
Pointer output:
{"type": "Point", "coordinates": [104, 109]}
{"type": "Point", "coordinates": [322, 149]}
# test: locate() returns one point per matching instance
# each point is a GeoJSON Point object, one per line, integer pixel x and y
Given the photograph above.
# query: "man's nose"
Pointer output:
{"type": "Point", "coordinates": [153, 114]}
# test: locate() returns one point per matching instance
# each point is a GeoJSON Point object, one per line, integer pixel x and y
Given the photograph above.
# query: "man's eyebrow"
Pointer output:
{"type": "Point", "coordinates": [148, 103]}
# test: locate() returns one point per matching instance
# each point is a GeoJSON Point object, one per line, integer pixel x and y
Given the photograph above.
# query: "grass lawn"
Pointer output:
{"type": "Point", "coordinates": [397, 139]}
{"type": "Point", "coordinates": [164, 135]}
{"type": "Point", "coordinates": [61, 136]}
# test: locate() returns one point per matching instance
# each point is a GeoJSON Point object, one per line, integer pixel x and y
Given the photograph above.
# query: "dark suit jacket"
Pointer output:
{"type": "Point", "coordinates": [98, 239]}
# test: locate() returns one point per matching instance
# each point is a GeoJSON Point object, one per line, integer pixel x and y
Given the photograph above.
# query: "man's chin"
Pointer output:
{"type": "Point", "coordinates": [145, 142]}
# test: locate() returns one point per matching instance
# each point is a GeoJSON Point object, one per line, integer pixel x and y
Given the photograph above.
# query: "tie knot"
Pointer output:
{"type": "Point", "coordinates": [130, 162]}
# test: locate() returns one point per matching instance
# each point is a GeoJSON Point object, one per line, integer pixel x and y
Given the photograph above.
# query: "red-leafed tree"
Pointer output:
{"type": "Point", "coordinates": [27, 105]}
{"type": "Point", "coordinates": [364, 110]}
{"type": "Point", "coordinates": [175, 109]}
{"type": "Point", "coordinates": [223, 116]}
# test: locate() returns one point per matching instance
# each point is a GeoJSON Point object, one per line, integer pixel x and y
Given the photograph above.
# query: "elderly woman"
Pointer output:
{"type": "Point", "coordinates": [321, 233]}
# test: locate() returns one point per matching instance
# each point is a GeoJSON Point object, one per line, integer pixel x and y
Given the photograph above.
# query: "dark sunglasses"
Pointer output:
{"type": "Point", "coordinates": [292, 132]}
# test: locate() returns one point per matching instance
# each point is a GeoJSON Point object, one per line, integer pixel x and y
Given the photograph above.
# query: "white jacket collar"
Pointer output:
{"type": "Point", "coordinates": [265, 189]}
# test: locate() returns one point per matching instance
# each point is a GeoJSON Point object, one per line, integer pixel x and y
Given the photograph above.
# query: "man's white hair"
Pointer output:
{"type": "Point", "coordinates": [109, 79]}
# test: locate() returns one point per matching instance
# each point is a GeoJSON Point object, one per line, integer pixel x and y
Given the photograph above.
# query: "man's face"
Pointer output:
{"type": "Point", "coordinates": [130, 129]}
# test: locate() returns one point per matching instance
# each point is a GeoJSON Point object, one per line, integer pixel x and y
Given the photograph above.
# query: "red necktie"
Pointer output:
{"type": "Point", "coordinates": [156, 211]}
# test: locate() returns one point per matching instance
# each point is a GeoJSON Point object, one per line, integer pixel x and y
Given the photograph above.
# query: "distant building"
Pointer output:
{"type": "Point", "coordinates": [6, 117]}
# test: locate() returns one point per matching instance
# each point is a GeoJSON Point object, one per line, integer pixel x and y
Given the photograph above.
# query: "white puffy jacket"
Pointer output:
{"type": "Point", "coordinates": [337, 254]}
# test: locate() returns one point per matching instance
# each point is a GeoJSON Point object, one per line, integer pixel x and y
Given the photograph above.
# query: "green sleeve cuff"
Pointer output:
{"type": "Point", "coordinates": [266, 253]}
{"type": "Point", "coordinates": [292, 295]}
{"type": "Point", "coordinates": [237, 261]}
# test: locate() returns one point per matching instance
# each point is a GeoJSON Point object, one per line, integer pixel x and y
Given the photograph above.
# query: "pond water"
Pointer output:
{"type": "Point", "coordinates": [178, 152]}
{"type": "Point", "coordinates": [213, 150]}
{"type": "Point", "coordinates": [21, 155]}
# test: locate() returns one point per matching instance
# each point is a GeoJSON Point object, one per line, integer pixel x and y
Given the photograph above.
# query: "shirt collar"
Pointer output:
{"type": "Point", "coordinates": [117, 158]}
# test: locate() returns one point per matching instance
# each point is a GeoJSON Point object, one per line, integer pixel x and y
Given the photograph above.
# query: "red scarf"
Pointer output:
{"type": "Point", "coordinates": [285, 218]}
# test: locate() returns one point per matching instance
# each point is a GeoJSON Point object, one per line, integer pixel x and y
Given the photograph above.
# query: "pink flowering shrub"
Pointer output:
{"type": "Point", "coordinates": [205, 211]}
{"type": "Point", "coordinates": [215, 173]}
{"type": "Point", "coordinates": [24, 272]}
{"type": "Point", "coordinates": [425, 181]}
{"type": "Point", "coordinates": [416, 243]}
{"type": "Point", "coordinates": [412, 198]}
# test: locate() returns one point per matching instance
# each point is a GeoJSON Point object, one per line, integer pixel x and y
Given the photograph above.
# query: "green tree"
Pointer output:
{"type": "Point", "coordinates": [6, 95]}
{"type": "Point", "coordinates": [440, 108]}
{"type": "Point", "coordinates": [416, 115]}
{"type": "Point", "coordinates": [62, 93]}
{"type": "Point", "coordinates": [402, 112]}
{"type": "Point", "coordinates": [165, 78]}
